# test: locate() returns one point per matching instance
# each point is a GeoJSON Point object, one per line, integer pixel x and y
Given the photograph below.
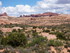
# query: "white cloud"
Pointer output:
{"type": "Point", "coordinates": [50, 1]}
{"type": "Point", "coordinates": [58, 6]}
{"type": "Point", "coordinates": [24, 8]}
{"type": "Point", "coordinates": [18, 10]}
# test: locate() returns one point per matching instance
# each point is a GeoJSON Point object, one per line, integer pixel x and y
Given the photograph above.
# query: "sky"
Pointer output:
{"type": "Point", "coordinates": [20, 7]}
{"type": "Point", "coordinates": [18, 2]}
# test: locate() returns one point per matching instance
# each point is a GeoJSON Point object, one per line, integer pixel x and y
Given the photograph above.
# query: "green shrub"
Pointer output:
{"type": "Point", "coordinates": [15, 39]}
{"type": "Point", "coordinates": [60, 35]}
{"type": "Point", "coordinates": [46, 31]}
{"type": "Point", "coordinates": [14, 30]}
{"type": "Point", "coordinates": [34, 27]}
{"type": "Point", "coordinates": [39, 41]}
{"type": "Point", "coordinates": [55, 43]}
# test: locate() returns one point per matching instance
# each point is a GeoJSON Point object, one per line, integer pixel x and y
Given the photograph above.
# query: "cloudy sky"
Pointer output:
{"type": "Point", "coordinates": [19, 7]}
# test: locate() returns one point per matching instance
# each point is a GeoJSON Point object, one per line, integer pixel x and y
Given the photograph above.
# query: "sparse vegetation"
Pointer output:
{"type": "Point", "coordinates": [29, 40]}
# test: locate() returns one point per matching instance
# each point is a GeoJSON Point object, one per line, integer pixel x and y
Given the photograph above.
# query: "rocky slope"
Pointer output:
{"type": "Point", "coordinates": [41, 20]}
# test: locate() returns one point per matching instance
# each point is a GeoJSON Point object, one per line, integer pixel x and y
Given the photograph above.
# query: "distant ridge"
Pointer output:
{"type": "Point", "coordinates": [41, 15]}
{"type": "Point", "coordinates": [44, 19]}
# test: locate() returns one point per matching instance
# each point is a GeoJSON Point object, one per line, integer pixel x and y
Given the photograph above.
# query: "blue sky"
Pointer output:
{"type": "Point", "coordinates": [20, 2]}
{"type": "Point", "coordinates": [20, 7]}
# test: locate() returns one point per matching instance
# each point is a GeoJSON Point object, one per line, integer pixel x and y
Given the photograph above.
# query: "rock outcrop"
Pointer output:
{"type": "Point", "coordinates": [4, 14]}
{"type": "Point", "coordinates": [41, 15]}
{"type": "Point", "coordinates": [10, 29]}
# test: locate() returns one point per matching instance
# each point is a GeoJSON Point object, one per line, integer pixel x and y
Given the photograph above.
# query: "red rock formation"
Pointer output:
{"type": "Point", "coordinates": [50, 14]}
{"type": "Point", "coordinates": [26, 15]}
{"type": "Point", "coordinates": [4, 14]}
{"type": "Point", "coordinates": [43, 14]}
{"type": "Point", "coordinates": [21, 16]}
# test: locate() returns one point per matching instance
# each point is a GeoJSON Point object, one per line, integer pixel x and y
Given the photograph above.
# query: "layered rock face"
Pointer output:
{"type": "Point", "coordinates": [44, 19]}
